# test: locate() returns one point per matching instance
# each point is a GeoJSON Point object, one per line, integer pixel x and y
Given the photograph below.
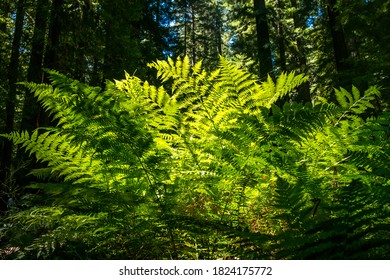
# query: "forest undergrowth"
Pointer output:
{"type": "Point", "coordinates": [205, 165]}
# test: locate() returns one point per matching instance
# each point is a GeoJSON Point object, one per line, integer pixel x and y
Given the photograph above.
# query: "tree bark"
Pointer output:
{"type": "Point", "coordinates": [13, 73]}
{"type": "Point", "coordinates": [281, 43]}
{"type": "Point", "coordinates": [52, 56]}
{"type": "Point", "coordinates": [304, 89]}
{"type": "Point", "coordinates": [263, 41]}
{"type": "Point", "coordinates": [193, 38]}
{"type": "Point", "coordinates": [299, 23]}
{"type": "Point", "coordinates": [219, 24]}
{"type": "Point", "coordinates": [51, 59]}
{"type": "Point", "coordinates": [31, 107]}
{"type": "Point", "coordinates": [42, 55]}
{"type": "Point", "coordinates": [122, 28]}
{"type": "Point", "coordinates": [185, 26]}
{"type": "Point", "coordinates": [339, 44]}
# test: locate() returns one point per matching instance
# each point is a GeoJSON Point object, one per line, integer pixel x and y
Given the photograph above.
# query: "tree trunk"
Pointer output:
{"type": "Point", "coordinates": [34, 73]}
{"type": "Point", "coordinates": [13, 71]}
{"type": "Point", "coordinates": [52, 51]}
{"type": "Point", "coordinates": [339, 44]}
{"type": "Point", "coordinates": [193, 38]}
{"type": "Point", "coordinates": [304, 89]}
{"type": "Point", "coordinates": [299, 23]}
{"type": "Point", "coordinates": [263, 42]}
{"type": "Point", "coordinates": [51, 59]}
{"type": "Point", "coordinates": [185, 27]}
{"type": "Point", "coordinates": [280, 40]}
{"type": "Point", "coordinates": [34, 115]}
{"type": "Point", "coordinates": [219, 29]}
{"type": "Point", "coordinates": [122, 49]}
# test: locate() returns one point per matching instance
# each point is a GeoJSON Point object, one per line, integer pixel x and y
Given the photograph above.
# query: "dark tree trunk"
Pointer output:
{"type": "Point", "coordinates": [193, 39]}
{"type": "Point", "coordinates": [122, 49]}
{"type": "Point", "coordinates": [34, 115]}
{"type": "Point", "coordinates": [340, 49]}
{"type": "Point", "coordinates": [281, 43]}
{"type": "Point", "coordinates": [299, 23]}
{"type": "Point", "coordinates": [13, 73]}
{"type": "Point", "coordinates": [263, 42]}
{"type": "Point", "coordinates": [185, 27]}
{"type": "Point", "coordinates": [52, 54]}
{"type": "Point", "coordinates": [304, 89]}
{"type": "Point", "coordinates": [219, 29]}
{"type": "Point", "coordinates": [34, 73]}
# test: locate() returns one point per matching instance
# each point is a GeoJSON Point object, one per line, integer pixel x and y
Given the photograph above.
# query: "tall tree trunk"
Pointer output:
{"type": "Point", "coordinates": [13, 73]}
{"type": "Point", "coordinates": [304, 89]}
{"type": "Point", "coordinates": [193, 38]}
{"type": "Point", "coordinates": [31, 108]}
{"type": "Point", "coordinates": [219, 29]}
{"type": "Point", "coordinates": [263, 41]}
{"type": "Point", "coordinates": [280, 40]}
{"type": "Point", "coordinates": [340, 48]}
{"type": "Point", "coordinates": [34, 115]}
{"type": "Point", "coordinates": [122, 34]}
{"type": "Point", "coordinates": [52, 52]}
{"type": "Point", "coordinates": [185, 26]}
{"type": "Point", "coordinates": [299, 23]}
{"type": "Point", "coordinates": [52, 55]}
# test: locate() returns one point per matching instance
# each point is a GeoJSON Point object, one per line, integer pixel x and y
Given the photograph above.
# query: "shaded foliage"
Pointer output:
{"type": "Point", "coordinates": [215, 165]}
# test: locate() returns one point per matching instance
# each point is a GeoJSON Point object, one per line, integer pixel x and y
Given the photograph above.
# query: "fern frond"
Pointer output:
{"type": "Point", "coordinates": [354, 231]}
{"type": "Point", "coordinates": [354, 102]}
{"type": "Point", "coordinates": [284, 85]}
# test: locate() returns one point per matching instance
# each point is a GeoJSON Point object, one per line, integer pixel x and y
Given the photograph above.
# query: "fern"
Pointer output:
{"type": "Point", "coordinates": [285, 84]}
{"type": "Point", "coordinates": [205, 165]}
{"type": "Point", "coordinates": [356, 230]}
{"type": "Point", "coordinates": [354, 102]}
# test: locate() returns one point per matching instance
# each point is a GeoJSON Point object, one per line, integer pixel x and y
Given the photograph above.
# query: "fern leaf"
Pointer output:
{"type": "Point", "coordinates": [355, 102]}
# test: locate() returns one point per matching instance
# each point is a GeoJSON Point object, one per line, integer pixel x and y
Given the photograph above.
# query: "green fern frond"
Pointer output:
{"type": "Point", "coordinates": [354, 231]}
{"type": "Point", "coordinates": [284, 85]}
{"type": "Point", "coordinates": [355, 102]}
